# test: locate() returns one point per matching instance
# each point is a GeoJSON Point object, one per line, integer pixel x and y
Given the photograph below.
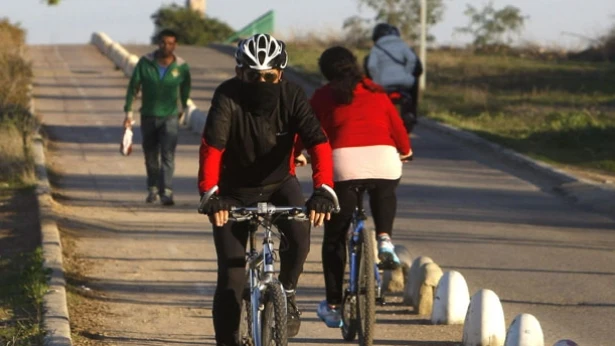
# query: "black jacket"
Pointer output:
{"type": "Point", "coordinates": [254, 150]}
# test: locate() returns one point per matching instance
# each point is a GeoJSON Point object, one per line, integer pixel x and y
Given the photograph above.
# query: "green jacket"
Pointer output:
{"type": "Point", "coordinates": [159, 96]}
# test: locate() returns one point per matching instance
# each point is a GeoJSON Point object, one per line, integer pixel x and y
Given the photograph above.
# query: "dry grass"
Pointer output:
{"type": "Point", "coordinates": [16, 122]}
{"type": "Point", "coordinates": [23, 280]}
{"type": "Point", "coordinates": [15, 167]}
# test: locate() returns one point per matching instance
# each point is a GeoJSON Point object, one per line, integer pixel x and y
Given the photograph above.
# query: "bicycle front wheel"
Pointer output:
{"type": "Point", "coordinates": [245, 317]}
{"type": "Point", "coordinates": [273, 316]}
{"type": "Point", "coordinates": [366, 299]}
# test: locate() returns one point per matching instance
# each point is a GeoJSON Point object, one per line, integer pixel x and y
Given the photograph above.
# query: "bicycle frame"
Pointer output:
{"type": "Point", "coordinates": [357, 224]}
{"type": "Point", "coordinates": [260, 271]}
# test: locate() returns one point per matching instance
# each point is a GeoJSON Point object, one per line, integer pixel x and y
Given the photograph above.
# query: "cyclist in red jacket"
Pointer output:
{"type": "Point", "coordinates": [369, 143]}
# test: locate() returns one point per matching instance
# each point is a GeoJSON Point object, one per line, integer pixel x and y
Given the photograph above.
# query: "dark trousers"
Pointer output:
{"type": "Point", "coordinates": [407, 107]}
{"type": "Point", "coordinates": [383, 205]}
{"type": "Point", "coordinates": [231, 241]}
{"type": "Point", "coordinates": [159, 143]}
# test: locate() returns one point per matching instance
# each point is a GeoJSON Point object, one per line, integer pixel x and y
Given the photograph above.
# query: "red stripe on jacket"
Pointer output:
{"type": "Point", "coordinates": [210, 164]}
{"type": "Point", "coordinates": [322, 162]}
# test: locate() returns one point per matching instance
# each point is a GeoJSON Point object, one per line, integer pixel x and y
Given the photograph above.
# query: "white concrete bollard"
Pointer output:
{"type": "Point", "coordinates": [118, 54]}
{"type": "Point", "coordinates": [114, 52]}
{"type": "Point", "coordinates": [122, 58]}
{"type": "Point", "coordinates": [130, 64]}
{"type": "Point", "coordinates": [484, 323]}
{"type": "Point", "coordinates": [104, 38]}
{"type": "Point", "coordinates": [524, 330]}
{"type": "Point", "coordinates": [395, 280]}
{"type": "Point", "coordinates": [565, 342]}
{"type": "Point", "coordinates": [413, 276]}
{"type": "Point", "coordinates": [452, 299]}
{"type": "Point", "coordinates": [95, 39]}
{"type": "Point", "coordinates": [423, 297]}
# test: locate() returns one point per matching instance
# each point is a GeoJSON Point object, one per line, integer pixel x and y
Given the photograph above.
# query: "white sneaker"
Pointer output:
{"type": "Point", "coordinates": [386, 252]}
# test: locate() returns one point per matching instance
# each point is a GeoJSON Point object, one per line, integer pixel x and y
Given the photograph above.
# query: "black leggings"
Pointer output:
{"type": "Point", "coordinates": [383, 205]}
{"type": "Point", "coordinates": [230, 241]}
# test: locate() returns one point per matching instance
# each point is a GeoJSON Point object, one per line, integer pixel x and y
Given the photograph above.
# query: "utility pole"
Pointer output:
{"type": "Point", "coordinates": [423, 52]}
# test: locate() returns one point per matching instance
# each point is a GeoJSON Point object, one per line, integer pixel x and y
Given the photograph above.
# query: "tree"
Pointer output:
{"type": "Point", "coordinates": [357, 32]}
{"type": "Point", "coordinates": [191, 28]}
{"type": "Point", "coordinates": [52, 2]}
{"type": "Point", "coordinates": [406, 14]}
{"type": "Point", "coordinates": [491, 27]}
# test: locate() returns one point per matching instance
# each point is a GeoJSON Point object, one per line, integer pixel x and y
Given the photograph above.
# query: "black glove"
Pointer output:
{"type": "Point", "coordinates": [320, 202]}
{"type": "Point", "coordinates": [216, 204]}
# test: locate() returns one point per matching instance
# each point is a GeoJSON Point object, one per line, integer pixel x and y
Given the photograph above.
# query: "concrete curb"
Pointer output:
{"type": "Point", "coordinates": [194, 118]}
{"type": "Point", "coordinates": [598, 197]}
{"type": "Point", "coordinates": [55, 309]}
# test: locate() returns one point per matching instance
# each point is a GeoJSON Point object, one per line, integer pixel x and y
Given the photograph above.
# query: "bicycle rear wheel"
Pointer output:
{"type": "Point", "coordinates": [366, 299]}
{"type": "Point", "coordinates": [273, 316]}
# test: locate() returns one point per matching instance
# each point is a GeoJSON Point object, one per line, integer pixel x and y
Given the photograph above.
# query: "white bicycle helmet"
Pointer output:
{"type": "Point", "coordinates": [261, 52]}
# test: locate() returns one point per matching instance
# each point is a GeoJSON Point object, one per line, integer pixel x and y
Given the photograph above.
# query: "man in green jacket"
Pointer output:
{"type": "Point", "coordinates": [162, 78]}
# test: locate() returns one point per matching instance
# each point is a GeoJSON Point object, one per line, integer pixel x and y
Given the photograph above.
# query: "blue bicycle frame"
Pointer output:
{"type": "Point", "coordinates": [358, 224]}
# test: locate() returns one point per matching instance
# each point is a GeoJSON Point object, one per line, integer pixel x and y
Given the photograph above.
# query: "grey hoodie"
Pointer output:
{"type": "Point", "coordinates": [384, 70]}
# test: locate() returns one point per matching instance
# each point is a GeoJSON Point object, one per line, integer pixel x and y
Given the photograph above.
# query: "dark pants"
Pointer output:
{"type": "Point", "coordinates": [231, 240]}
{"type": "Point", "coordinates": [159, 143]}
{"type": "Point", "coordinates": [383, 205]}
{"type": "Point", "coordinates": [407, 107]}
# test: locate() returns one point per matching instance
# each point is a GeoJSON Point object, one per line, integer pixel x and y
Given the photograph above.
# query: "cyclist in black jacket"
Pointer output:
{"type": "Point", "coordinates": [247, 151]}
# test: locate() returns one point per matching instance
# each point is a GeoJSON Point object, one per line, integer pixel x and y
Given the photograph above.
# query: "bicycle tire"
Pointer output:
{"type": "Point", "coordinates": [245, 317]}
{"type": "Point", "coordinates": [273, 316]}
{"type": "Point", "coordinates": [366, 300]}
{"type": "Point", "coordinates": [350, 324]}
{"type": "Point", "coordinates": [245, 324]}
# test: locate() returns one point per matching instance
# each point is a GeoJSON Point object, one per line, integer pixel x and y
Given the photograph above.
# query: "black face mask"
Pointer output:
{"type": "Point", "coordinates": [260, 97]}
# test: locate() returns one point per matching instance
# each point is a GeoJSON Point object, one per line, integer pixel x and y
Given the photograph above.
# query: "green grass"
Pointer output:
{"type": "Point", "coordinates": [22, 286]}
{"type": "Point", "coordinates": [562, 112]}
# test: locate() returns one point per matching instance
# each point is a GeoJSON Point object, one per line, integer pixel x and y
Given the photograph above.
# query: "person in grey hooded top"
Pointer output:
{"type": "Point", "coordinates": [392, 64]}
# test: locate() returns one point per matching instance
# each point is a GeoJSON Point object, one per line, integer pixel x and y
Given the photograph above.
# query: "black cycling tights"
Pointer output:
{"type": "Point", "coordinates": [383, 205]}
{"type": "Point", "coordinates": [231, 242]}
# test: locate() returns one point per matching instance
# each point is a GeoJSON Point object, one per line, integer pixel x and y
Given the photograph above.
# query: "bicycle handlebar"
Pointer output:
{"type": "Point", "coordinates": [262, 209]}
{"type": "Point", "coordinates": [207, 195]}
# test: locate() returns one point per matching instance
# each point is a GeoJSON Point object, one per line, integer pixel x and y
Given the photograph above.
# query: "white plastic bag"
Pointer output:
{"type": "Point", "coordinates": [126, 145]}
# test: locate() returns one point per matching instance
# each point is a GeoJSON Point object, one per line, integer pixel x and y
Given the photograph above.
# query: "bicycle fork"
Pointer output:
{"type": "Point", "coordinates": [258, 283]}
